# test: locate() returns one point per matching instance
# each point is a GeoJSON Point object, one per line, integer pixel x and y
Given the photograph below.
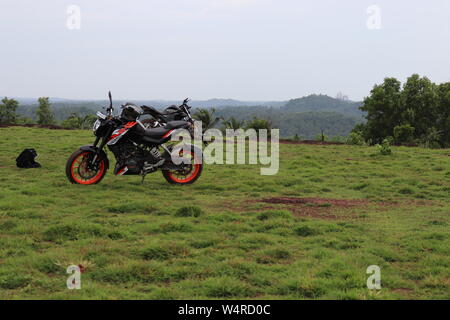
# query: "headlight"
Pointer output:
{"type": "Point", "coordinates": [96, 125]}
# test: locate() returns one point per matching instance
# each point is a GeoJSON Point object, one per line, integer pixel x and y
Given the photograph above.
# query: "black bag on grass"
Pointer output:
{"type": "Point", "coordinates": [26, 159]}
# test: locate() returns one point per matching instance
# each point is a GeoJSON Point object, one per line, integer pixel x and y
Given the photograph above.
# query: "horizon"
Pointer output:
{"type": "Point", "coordinates": [172, 100]}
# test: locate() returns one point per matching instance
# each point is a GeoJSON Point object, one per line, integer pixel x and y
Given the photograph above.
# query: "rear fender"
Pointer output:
{"type": "Point", "coordinates": [95, 150]}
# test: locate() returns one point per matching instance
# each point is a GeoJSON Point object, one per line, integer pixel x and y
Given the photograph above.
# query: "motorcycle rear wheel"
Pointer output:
{"type": "Point", "coordinates": [187, 175]}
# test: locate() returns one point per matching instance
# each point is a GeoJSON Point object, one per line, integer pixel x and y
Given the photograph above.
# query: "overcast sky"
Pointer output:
{"type": "Point", "coordinates": [241, 49]}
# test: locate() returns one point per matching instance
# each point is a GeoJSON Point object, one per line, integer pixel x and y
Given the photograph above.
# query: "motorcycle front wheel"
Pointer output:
{"type": "Point", "coordinates": [78, 170]}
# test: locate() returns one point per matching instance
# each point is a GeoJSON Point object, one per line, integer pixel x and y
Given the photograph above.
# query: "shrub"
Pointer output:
{"type": "Point", "coordinates": [385, 147]}
{"type": "Point", "coordinates": [355, 138]}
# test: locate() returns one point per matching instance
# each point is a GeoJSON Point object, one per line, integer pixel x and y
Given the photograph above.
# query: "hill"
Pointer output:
{"type": "Point", "coordinates": [323, 103]}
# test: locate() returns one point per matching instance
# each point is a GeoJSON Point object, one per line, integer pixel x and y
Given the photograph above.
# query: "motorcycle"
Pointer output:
{"type": "Point", "coordinates": [171, 113]}
{"type": "Point", "coordinates": [138, 149]}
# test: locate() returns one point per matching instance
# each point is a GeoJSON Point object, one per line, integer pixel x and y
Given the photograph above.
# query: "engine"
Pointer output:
{"type": "Point", "coordinates": [133, 157]}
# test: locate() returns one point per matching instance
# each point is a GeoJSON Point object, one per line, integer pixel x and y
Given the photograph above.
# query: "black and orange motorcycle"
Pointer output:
{"type": "Point", "coordinates": [139, 148]}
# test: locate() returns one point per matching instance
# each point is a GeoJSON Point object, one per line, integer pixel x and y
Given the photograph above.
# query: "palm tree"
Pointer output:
{"type": "Point", "coordinates": [206, 116]}
{"type": "Point", "coordinates": [233, 123]}
{"type": "Point", "coordinates": [258, 124]}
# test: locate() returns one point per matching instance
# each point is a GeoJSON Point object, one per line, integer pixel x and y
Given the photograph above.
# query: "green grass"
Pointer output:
{"type": "Point", "coordinates": [215, 239]}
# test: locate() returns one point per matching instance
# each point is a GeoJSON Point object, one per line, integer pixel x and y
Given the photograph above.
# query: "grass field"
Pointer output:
{"type": "Point", "coordinates": [309, 232]}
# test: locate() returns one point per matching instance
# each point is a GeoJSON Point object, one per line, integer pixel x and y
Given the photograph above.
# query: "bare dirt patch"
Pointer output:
{"type": "Point", "coordinates": [319, 207]}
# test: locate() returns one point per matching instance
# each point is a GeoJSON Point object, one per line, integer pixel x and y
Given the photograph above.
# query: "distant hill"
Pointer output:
{"type": "Point", "coordinates": [321, 102]}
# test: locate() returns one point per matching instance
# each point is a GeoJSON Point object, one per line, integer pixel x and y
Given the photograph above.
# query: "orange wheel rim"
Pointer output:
{"type": "Point", "coordinates": [185, 177]}
{"type": "Point", "coordinates": [83, 175]}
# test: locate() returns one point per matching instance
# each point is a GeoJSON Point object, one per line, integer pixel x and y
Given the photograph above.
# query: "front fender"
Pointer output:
{"type": "Point", "coordinates": [95, 150]}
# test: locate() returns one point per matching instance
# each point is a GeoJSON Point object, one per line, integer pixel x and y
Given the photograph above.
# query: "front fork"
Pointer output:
{"type": "Point", "coordinates": [93, 161]}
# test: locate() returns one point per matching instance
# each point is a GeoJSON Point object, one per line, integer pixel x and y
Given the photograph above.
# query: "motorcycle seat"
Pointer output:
{"type": "Point", "coordinates": [156, 132]}
{"type": "Point", "coordinates": [161, 131]}
{"type": "Point", "coordinates": [176, 125]}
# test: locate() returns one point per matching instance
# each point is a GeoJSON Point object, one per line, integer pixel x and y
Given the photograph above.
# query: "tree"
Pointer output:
{"type": "Point", "coordinates": [383, 108]}
{"type": "Point", "coordinates": [8, 110]}
{"type": "Point", "coordinates": [259, 124]}
{"type": "Point", "coordinates": [443, 113]}
{"type": "Point", "coordinates": [206, 117]}
{"type": "Point", "coordinates": [419, 111]}
{"type": "Point", "coordinates": [419, 104]}
{"type": "Point", "coordinates": [233, 123]}
{"type": "Point", "coordinates": [44, 113]}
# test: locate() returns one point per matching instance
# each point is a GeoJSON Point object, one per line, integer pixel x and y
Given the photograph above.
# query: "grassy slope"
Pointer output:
{"type": "Point", "coordinates": [135, 242]}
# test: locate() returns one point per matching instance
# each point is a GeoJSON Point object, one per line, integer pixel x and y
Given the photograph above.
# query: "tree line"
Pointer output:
{"type": "Point", "coordinates": [299, 125]}
{"type": "Point", "coordinates": [8, 114]}
{"type": "Point", "coordinates": [44, 114]}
